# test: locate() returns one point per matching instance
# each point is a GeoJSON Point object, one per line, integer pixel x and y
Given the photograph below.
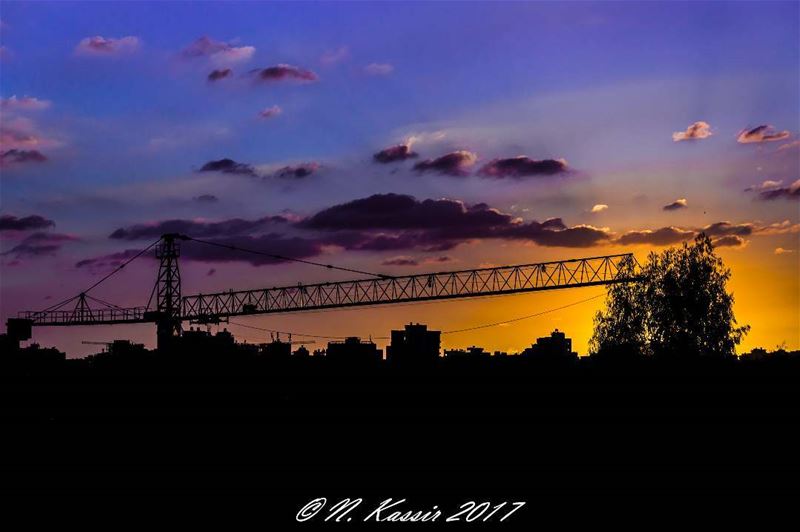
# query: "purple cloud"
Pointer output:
{"type": "Point", "coordinates": [522, 166]}
{"type": "Point", "coordinates": [401, 152]}
{"type": "Point", "coordinates": [284, 72]}
{"type": "Point", "coordinates": [39, 245]}
{"type": "Point", "coordinates": [107, 45]}
{"type": "Point", "coordinates": [270, 112]}
{"type": "Point", "coordinates": [298, 171]}
{"type": "Point", "coordinates": [271, 243]}
{"type": "Point", "coordinates": [400, 261]}
{"type": "Point", "coordinates": [10, 222]}
{"type": "Point", "coordinates": [456, 163]}
{"type": "Point", "coordinates": [112, 260]}
{"type": "Point", "coordinates": [198, 229]}
{"type": "Point", "coordinates": [218, 51]}
{"type": "Point", "coordinates": [217, 75]}
{"type": "Point", "coordinates": [379, 69]}
{"type": "Point", "coordinates": [775, 191]}
{"type": "Point", "coordinates": [16, 156]}
{"type": "Point", "coordinates": [26, 103]}
{"type": "Point", "coordinates": [659, 237]}
{"type": "Point", "coordinates": [440, 224]}
{"type": "Point", "coordinates": [228, 166]}
{"type": "Point", "coordinates": [206, 198]}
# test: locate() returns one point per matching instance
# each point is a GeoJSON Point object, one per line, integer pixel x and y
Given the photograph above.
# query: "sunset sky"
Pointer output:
{"type": "Point", "coordinates": [399, 138]}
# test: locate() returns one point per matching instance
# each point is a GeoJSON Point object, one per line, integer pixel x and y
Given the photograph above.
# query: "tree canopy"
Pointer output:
{"type": "Point", "coordinates": [680, 308]}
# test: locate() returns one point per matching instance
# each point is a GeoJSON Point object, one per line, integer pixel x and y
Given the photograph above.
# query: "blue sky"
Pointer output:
{"type": "Point", "coordinates": [602, 86]}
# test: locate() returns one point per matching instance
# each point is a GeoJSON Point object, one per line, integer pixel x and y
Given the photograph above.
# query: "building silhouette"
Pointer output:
{"type": "Point", "coordinates": [554, 348]}
{"type": "Point", "coordinates": [354, 351]}
{"type": "Point", "coordinates": [470, 353]}
{"type": "Point", "coordinates": [414, 345]}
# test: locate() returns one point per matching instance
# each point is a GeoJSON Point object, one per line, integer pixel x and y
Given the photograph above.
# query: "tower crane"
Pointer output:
{"type": "Point", "coordinates": [172, 308]}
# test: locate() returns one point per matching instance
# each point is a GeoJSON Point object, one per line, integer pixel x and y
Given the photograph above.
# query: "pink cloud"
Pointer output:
{"type": "Point", "coordinates": [218, 51]}
{"type": "Point", "coordinates": [332, 57]}
{"type": "Point", "coordinates": [379, 69]}
{"type": "Point", "coordinates": [26, 103]}
{"type": "Point", "coordinates": [270, 112]}
{"type": "Point", "coordinates": [107, 45]}
{"type": "Point", "coordinates": [764, 133]}
{"type": "Point", "coordinates": [698, 130]}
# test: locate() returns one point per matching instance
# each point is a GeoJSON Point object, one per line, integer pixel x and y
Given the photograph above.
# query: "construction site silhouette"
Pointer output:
{"type": "Point", "coordinates": [347, 415]}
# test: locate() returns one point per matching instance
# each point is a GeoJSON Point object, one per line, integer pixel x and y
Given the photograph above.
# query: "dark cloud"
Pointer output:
{"type": "Point", "coordinates": [229, 166]}
{"type": "Point", "coordinates": [764, 133]}
{"type": "Point", "coordinates": [298, 171]}
{"type": "Point", "coordinates": [727, 228]}
{"type": "Point", "coordinates": [659, 237]}
{"type": "Point", "coordinates": [676, 205]}
{"type": "Point", "coordinates": [111, 260]}
{"type": "Point", "coordinates": [456, 163]}
{"type": "Point", "coordinates": [9, 222]}
{"type": "Point", "coordinates": [440, 224]}
{"type": "Point", "coordinates": [198, 229]}
{"type": "Point", "coordinates": [519, 167]}
{"type": "Point", "coordinates": [272, 243]}
{"type": "Point", "coordinates": [791, 192]}
{"type": "Point", "coordinates": [206, 198]}
{"type": "Point", "coordinates": [284, 72]}
{"type": "Point", "coordinates": [39, 245]}
{"type": "Point", "coordinates": [15, 156]}
{"type": "Point", "coordinates": [401, 152]}
{"type": "Point", "coordinates": [729, 241]}
{"type": "Point", "coordinates": [219, 74]}
{"type": "Point", "coordinates": [400, 211]}
{"type": "Point", "coordinates": [721, 233]}
{"type": "Point", "coordinates": [400, 261]}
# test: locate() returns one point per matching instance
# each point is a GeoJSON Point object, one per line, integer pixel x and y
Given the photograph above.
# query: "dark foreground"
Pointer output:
{"type": "Point", "coordinates": [594, 445]}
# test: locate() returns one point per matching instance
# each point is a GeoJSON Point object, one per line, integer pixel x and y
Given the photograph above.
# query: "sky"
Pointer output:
{"type": "Point", "coordinates": [399, 138]}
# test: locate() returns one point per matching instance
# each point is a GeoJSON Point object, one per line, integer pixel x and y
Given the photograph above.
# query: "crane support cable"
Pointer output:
{"type": "Point", "coordinates": [95, 285]}
{"type": "Point", "coordinates": [513, 320]}
{"type": "Point", "coordinates": [455, 331]}
{"type": "Point", "coordinates": [284, 258]}
{"type": "Point", "coordinates": [121, 266]}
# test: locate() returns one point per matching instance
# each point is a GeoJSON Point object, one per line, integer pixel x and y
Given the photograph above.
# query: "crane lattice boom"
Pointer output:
{"type": "Point", "coordinates": [423, 287]}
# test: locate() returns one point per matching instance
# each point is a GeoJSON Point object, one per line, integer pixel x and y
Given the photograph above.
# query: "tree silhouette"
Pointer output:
{"type": "Point", "coordinates": [681, 308]}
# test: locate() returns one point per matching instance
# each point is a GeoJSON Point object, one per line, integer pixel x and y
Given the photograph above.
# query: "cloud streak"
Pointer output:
{"type": "Point", "coordinates": [26, 103]}
{"type": "Point", "coordinates": [764, 133]}
{"type": "Point", "coordinates": [10, 222]}
{"type": "Point", "coordinates": [697, 131]}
